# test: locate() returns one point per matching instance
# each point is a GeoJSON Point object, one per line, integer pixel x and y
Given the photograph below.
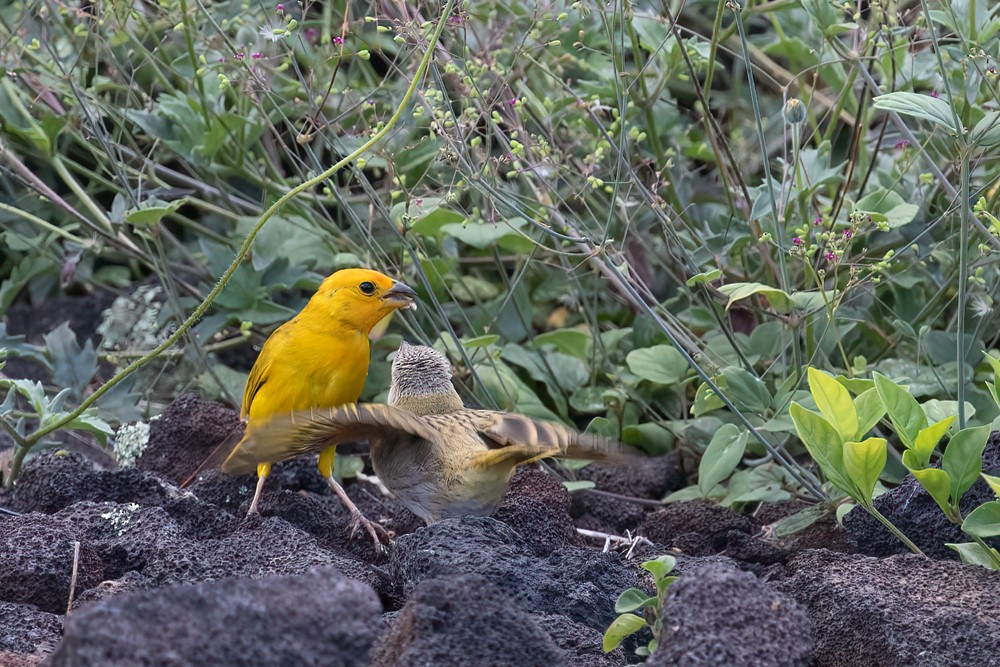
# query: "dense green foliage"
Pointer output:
{"type": "Point", "coordinates": [610, 220]}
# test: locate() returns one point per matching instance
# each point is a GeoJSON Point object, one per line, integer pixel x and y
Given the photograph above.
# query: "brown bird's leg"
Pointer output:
{"type": "Point", "coordinates": [377, 533]}
{"type": "Point", "coordinates": [263, 470]}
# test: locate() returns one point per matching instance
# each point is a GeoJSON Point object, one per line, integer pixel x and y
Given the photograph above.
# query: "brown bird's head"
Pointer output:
{"type": "Point", "coordinates": [421, 374]}
{"type": "Point", "coordinates": [359, 298]}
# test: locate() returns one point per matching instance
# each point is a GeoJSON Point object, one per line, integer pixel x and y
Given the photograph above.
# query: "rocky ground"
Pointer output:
{"type": "Point", "coordinates": [124, 568]}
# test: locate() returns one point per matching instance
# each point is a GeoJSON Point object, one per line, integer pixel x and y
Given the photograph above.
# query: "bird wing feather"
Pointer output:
{"type": "Point", "coordinates": [286, 436]}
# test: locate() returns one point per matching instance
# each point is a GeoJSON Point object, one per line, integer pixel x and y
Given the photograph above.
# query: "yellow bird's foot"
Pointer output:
{"type": "Point", "coordinates": [256, 495]}
{"type": "Point", "coordinates": [378, 534]}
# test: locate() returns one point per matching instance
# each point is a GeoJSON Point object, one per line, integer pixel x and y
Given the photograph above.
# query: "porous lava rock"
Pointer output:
{"type": "Point", "coordinates": [718, 615]}
{"type": "Point", "coordinates": [26, 631]}
{"type": "Point", "coordinates": [316, 618]}
{"type": "Point", "coordinates": [581, 584]}
{"type": "Point", "coordinates": [537, 507]}
{"type": "Point", "coordinates": [901, 610]}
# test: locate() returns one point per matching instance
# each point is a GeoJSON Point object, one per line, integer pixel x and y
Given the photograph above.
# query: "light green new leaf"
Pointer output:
{"type": "Point", "coordinates": [994, 483]}
{"type": "Point", "coordinates": [870, 410]}
{"type": "Point", "coordinates": [928, 438]}
{"type": "Point", "coordinates": [721, 457]}
{"type": "Point", "coordinates": [984, 521]}
{"type": "Point", "coordinates": [824, 444]}
{"type": "Point", "coordinates": [973, 554]}
{"type": "Point", "coordinates": [903, 410]}
{"type": "Point", "coordinates": [632, 599]}
{"type": "Point", "coordinates": [778, 299]}
{"type": "Point", "coordinates": [864, 462]}
{"type": "Point", "coordinates": [834, 402]}
{"type": "Point", "coordinates": [660, 567]}
{"type": "Point", "coordinates": [929, 108]}
{"type": "Point", "coordinates": [937, 483]}
{"type": "Point", "coordinates": [620, 628]}
{"type": "Point", "coordinates": [963, 459]}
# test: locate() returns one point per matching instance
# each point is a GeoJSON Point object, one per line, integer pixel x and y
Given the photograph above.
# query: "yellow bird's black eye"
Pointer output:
{"type": "Point", "coordinates": [367, 287]}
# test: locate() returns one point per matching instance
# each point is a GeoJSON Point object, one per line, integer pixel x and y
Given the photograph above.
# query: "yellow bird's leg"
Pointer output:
{"type": "Point", "coordinates": [326, 460]}
{"type": "Point", "coordinates": [263, 470]}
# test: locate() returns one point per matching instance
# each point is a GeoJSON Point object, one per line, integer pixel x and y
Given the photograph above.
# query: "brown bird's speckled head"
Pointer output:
{"type": "Point", "coordinates": [421, 374]}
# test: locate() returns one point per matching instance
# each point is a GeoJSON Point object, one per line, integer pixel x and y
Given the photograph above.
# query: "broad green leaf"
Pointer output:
{"type": "Point", "coordinates": [986, 133]}
{"type": "Point", "coordinates": [994, 483]}
{"type": "Point", "coordinates": [705, 401]}
{"type": "Point", "coordinates": [661, 364]}
{"type": "Point", "coordinates": [573, 342]}
{"type": "Point", "coordinates": [870, 410]}
{"type": "Point", "coordinates": [972, 553]}
{"type": "Point", "coordinates": [652, 438]}
{"type": "Point", "coordinates": [984, 521]}
{"type": "Point", "coordinates": [937, 483]}
{"type": "Point", "coordinates": [928, 108]}
{"type": "Point", "coordinates": [903, 410]}
{"type": "Point", "coordinates": [889, 207]}
{"type": "Point", "coordinates": [963, 459]}
{"type": "Point", "coordinates": [721, 457]}
{"type": "Point", "coordinates": [150, 214]}
{"type": "Point", "coordinates": [928, 438]}
{"type": "Point", "coordinates": [824, 444]}
{"type": "Point", "coordinates": [864, 462]}
{"type": "Point", "coordinates": [834, 403]}
{"type": "Point", "coordinates": [620, 628]}
{"type": "Point", "coordinates": [801, 520]}
{"type": "Point", "coordinates": [746, 390]}
{"type": "Point", "coordinates": [779, 299]}
{"type": "Point", "coordinates": [632, 599]}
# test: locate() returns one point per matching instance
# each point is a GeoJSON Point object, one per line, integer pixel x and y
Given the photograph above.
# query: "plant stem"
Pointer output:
{"type": "Point", "coordinates": [963, 284]}
{"type": "Point", "coordinates": [870, 508]}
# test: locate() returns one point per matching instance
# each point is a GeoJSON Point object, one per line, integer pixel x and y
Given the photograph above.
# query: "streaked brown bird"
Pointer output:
{"type": "Point", "coordinates": [439, 458]}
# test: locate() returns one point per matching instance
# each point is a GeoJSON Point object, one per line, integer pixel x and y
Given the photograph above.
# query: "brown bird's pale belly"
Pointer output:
{"type": "Point", "coordinates": [416, 474]}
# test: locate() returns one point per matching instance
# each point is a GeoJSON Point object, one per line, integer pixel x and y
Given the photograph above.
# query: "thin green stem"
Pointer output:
{"type": "Point", "coordinates": [241, 254]}
{"type": "Point", "coordinates": [963, 283]}
{"type": "Point", "coordinates": [892, 529]}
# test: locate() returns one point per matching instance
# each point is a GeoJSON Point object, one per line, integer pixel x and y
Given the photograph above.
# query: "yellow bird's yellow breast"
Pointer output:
{"type": "Point", "coordinates": [301, 368]}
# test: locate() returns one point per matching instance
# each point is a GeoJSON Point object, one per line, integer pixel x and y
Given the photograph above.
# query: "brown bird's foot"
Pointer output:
{"type": "Point", "coordinates": [375, 530]}
{"type": "Point", "coordinates": [256, 496]}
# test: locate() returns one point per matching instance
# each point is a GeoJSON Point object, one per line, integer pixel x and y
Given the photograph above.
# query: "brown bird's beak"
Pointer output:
{"type": "Point", "coordinates": [400, 296]}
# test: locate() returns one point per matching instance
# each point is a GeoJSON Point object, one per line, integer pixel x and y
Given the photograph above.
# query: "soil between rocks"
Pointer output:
{"type": "Point", "coordinates": [163, 575]}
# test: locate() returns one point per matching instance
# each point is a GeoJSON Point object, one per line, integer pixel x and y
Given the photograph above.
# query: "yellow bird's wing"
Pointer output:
{"type": "Point", "coordinates": [525, 440]}
{"type": "Point", "coordinates": [286, 436]}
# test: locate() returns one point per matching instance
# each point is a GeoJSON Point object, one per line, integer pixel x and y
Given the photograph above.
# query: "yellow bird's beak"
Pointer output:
{"type": "Point", "coordinates": [400, 296]}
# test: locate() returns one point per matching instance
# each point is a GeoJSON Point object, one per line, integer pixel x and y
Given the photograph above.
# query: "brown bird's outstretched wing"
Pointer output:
{"type": "Point", "coordinates": [524, 440]}
{"type": "Point", "coordinates": [288, 436]}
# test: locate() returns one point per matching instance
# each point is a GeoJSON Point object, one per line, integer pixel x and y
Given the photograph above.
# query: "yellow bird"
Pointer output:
{"type": "Point", "coordinates": [439, 458]}
{"type": "Point", "coordinates": [318, 359]}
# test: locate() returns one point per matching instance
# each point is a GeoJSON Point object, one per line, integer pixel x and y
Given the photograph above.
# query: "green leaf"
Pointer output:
{"type": "Point", "coordinates": [903, 410]}
{"type": "Point", "coordinates": [937, 483]}
{"type": "Point", "coordinates": [984, 521]}
{"type": "Point", "coordinates": [972, 553]}
{"type": "Point", "coordinates": [963, 459]}
{"type": "Point", "coordinates": [151, 214]}
{"type": "Point", "coordinates": [864, 462]}
{"type": "Point", "coordinates": [889, 207]}
{"type": "Point", "coordinates": [660, 567]}
{"type": "Point", "coordinates": [721, 457]}
{"type": "Point", "coordinates": [779, 299]}
{"type": "Point", "coordinates": [620, 628]}
{"type": "Point", "coordinates": [703, 277]}
{"type": "Point", "coordinates": [986, 133]}
{"type": "Point", "coordinates": [994, 483]}
{"type": "Point", "coordinates": [573, 342]}
{"type": "Point", "coordinates": [928, 108]}
{"type": "Point", "coordinates": [801, 520]}
{"type": "Point", "coordinates": [746, 390]}
{"type": "Point", "coordinates": [579, 485]}
{"type": "Point", "coordinates": [928, 438]}
{"type": "Point", "coordinates": [632, 599]}
{"type": "Point", "coordinates": [824, 444]}
{"type": "Point", "coordinates": [652, 438]}
{"type": "Point", "coordinates": [705, 401]}
{"type": "Point", "coordinates": [661, 364]}
{"type": "Point", "coordinates": [834, 403]}
{"type": "Point", "coordinates": [481, 341]}
{"type": "Point", "coordinates": [870, 410]}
